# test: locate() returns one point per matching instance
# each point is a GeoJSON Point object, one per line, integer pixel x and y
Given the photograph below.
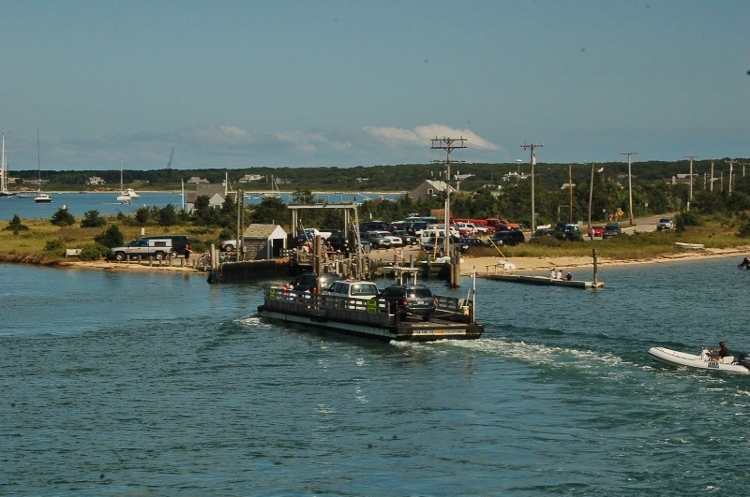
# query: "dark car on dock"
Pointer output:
{"type": "Point", "coordinates": [410, 300]}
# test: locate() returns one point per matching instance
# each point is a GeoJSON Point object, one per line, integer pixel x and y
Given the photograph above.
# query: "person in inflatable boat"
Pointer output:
{"type": "Point", "coordinates": [719, 353]}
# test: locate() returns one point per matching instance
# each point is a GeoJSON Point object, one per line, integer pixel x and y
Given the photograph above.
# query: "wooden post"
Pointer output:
{"type": "Point", "coordinates": [596, 270]}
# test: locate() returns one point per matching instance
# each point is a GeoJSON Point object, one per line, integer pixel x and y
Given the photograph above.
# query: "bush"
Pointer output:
{"type": "Point", "coordinates": [92, 219]}
{"type": "Point", "coordinates": [63, 217]}
{"type": "Point", "coordinates": [55, 247]}
{"type": "Point", "coordinates": [111, 237]}
{"type": "Point", "coordinates": [15, 225]}
{"type": "Point", "coordinates": [93, 252]}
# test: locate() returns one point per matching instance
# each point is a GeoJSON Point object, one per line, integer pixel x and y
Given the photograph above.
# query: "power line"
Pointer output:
{"type": "Point", "coordinates": [448, 145]}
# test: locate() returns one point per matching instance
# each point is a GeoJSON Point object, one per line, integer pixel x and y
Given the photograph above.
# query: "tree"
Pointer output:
{"type": "Point", "coordinates": [142, 215]}
{"type": "Point", "coordinates": [63, 217]}
{"type": "Point", "coordinates": [167, 216]}
{"type": "Point", "coordinates": [15, 225]}
{"type": "Point", "coordinates": [92, 219]}
{"type": "Point", "coordinates": [111, 237]}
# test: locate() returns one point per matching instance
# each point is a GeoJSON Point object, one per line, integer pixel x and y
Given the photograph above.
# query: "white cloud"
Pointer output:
{"type": "Point", "coordinates": [421, 136]}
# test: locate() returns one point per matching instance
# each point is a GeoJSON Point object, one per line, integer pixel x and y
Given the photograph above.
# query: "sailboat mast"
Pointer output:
{"type": "Point", "coordinates": [3, 169]}
{"type": "Point", "coordinates": [38, 160]}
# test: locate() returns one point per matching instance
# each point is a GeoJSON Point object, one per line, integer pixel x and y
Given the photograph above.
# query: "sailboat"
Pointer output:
{"type": "Point", "coordinates": [4, 174]}
{"type": "Point", "coordinates": [124, 197]}
{"type": "Point", "coordinates": [41, 198]}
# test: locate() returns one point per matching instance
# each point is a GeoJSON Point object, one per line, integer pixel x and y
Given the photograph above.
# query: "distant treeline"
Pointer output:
{"type": "Point", "coordinates": [398, 178]}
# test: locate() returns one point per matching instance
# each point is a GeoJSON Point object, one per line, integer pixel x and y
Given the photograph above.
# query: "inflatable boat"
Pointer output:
{"type": "Point", "coordinates": [703, 361]}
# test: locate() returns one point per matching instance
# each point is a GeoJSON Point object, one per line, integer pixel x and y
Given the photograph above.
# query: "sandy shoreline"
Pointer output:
{"type": "Point", "coordinates": [536, 264]}
{"type": "Point", "coordinates": [482, 265]}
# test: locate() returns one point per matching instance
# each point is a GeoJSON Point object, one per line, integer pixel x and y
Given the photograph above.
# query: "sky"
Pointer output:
{"type": "Point", "coordinates": [284, 83]}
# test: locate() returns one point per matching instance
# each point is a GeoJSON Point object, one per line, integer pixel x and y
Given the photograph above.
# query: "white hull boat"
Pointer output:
{"type": "Point", "coordinates": [702, 361]}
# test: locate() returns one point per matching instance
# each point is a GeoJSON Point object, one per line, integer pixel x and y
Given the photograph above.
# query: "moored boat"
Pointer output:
{"type": "Point", "coordinates": [730, 364]}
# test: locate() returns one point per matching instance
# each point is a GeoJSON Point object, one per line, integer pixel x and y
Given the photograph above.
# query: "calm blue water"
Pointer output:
{"type": "Point", "coordinates": [152, 384]}
{"type": "Point", "coordinates": [79, 203]}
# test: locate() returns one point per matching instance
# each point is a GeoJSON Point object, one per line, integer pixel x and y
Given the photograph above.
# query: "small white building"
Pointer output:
{"type": "Point", "coordinates": [264, 241]}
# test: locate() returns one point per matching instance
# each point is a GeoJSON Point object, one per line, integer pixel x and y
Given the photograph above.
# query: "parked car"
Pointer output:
{"type": "Point", "coordinates": [542, 233]}
{"type": "Point", "coordinates": [572, 232]}
{"type": "Point", "coordinates": [406, 237]}
{"type": "Point", "coordinates": [665, 224]}
{"type": "Point", "coordinates": [410, 299]}
{"type": "Point", "coordinates": [353, 290]}
{"type": "Point", "coordinates": [611, 230]}
{"type": "Point", "coordinates": [596, 231]}
{"type": "Point", "coordinates": [309, 281]}
{"type": "Point", "coordinates": [471, 241]}
{"type": "Point", "coordinates": [337, 240]}
{"type": "Point", "coordinates": [429, 246]}
{"type": "Point", "coordinates": [374, 226]}
{"type": "Point", "coordinates": [396, 241]}
{"type": "Point", "coordinates": [377, 241]}
{"type": "Point", "coordinates": [508, 237]}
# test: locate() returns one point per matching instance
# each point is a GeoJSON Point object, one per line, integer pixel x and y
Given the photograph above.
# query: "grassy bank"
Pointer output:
{"type": "Point", "coordinates": [34, 244]}
{"type": "Point", "coordinates": [44, 243]}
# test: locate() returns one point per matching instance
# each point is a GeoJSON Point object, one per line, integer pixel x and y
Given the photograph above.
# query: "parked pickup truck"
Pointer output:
{"type": "Point", "coordinates": [158, 248]}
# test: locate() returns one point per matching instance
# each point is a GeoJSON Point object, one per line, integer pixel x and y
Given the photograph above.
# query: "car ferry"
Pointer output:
{"type": "Point", "coordinates": [376, 318]}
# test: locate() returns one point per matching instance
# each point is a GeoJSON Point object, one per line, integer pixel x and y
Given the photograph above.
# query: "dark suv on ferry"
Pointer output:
{"type": "Point", "coordinates": [410, 299]}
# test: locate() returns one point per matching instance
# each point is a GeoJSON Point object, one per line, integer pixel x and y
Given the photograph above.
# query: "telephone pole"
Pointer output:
{"type": "Point", "coordinates": [690, 197]}
{"type": "Point", "coordinates": [630, 184]}
{"type": "Point", "coordinates": [731, 166]}
{"type": "Point", "coordinates": [532, 146]}
{"type": "Point", "coordinates": [448, 145]}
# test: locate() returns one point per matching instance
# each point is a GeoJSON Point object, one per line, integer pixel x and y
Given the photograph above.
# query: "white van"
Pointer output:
{"type": "Point", "coordinates": [429, 235]}
{"type": "Point", "coordinates": [356, 293]}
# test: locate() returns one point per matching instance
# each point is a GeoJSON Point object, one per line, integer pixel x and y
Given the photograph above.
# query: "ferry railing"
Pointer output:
{"type": "Point", "coordinates": [375, 311]}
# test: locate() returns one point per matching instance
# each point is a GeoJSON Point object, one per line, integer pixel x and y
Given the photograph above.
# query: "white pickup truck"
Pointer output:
{"type": "Point", "coordinates": [159, 248]}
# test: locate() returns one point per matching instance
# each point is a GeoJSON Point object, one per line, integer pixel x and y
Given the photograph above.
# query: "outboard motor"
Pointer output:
{"type": "Point", "coordinates": [744, 359]}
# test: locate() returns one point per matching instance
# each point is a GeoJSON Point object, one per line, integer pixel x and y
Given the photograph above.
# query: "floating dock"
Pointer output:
{"type": "Point", "coordinates": [544, 280]}
{"type": "Point", "coordinates": [454, 318]}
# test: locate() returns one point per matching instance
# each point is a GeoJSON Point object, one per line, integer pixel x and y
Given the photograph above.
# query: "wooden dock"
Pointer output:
{"type": "Point", "coordinates": [544, 280]}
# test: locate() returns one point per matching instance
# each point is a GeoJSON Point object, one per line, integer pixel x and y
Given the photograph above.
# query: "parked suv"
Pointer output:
{"type": "Point", "coordinates": [374, 226]}
{"type": "Point", "coordinates": [376, 240]}
{"type": "Point", "coordinates": [508, 237]}
{"type": "Point", "coordinates": [410, 299]}
{"type": "Point", "coordinates": [309, 281]}
{"type": "Point", "coordinates": [665, 223]}
{"type": "Point", "coordinates": [611, 230]}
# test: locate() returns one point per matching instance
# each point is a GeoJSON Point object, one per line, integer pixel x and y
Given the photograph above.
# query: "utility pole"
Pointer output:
{"type": "Point", "coordinates": [570, 186]}
{"type": "Point", "coordinates": [731, 165]}
{"type": "Point", "coordinates": [449, 145]}
{"type": "Point", "coordinates": [712, 176]}
{"type": "Point", "coordinates": [690, 197]}
{"type": "Point", "coordinates": [630, 184]}
{"type": "Point", "coordinates": [532, 146]}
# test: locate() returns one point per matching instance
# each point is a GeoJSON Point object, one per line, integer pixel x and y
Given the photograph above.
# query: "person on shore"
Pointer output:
{"type": "Point", "coordinates": [720, 353]}
{"type": "Point", "coordinates": [188, 251]}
